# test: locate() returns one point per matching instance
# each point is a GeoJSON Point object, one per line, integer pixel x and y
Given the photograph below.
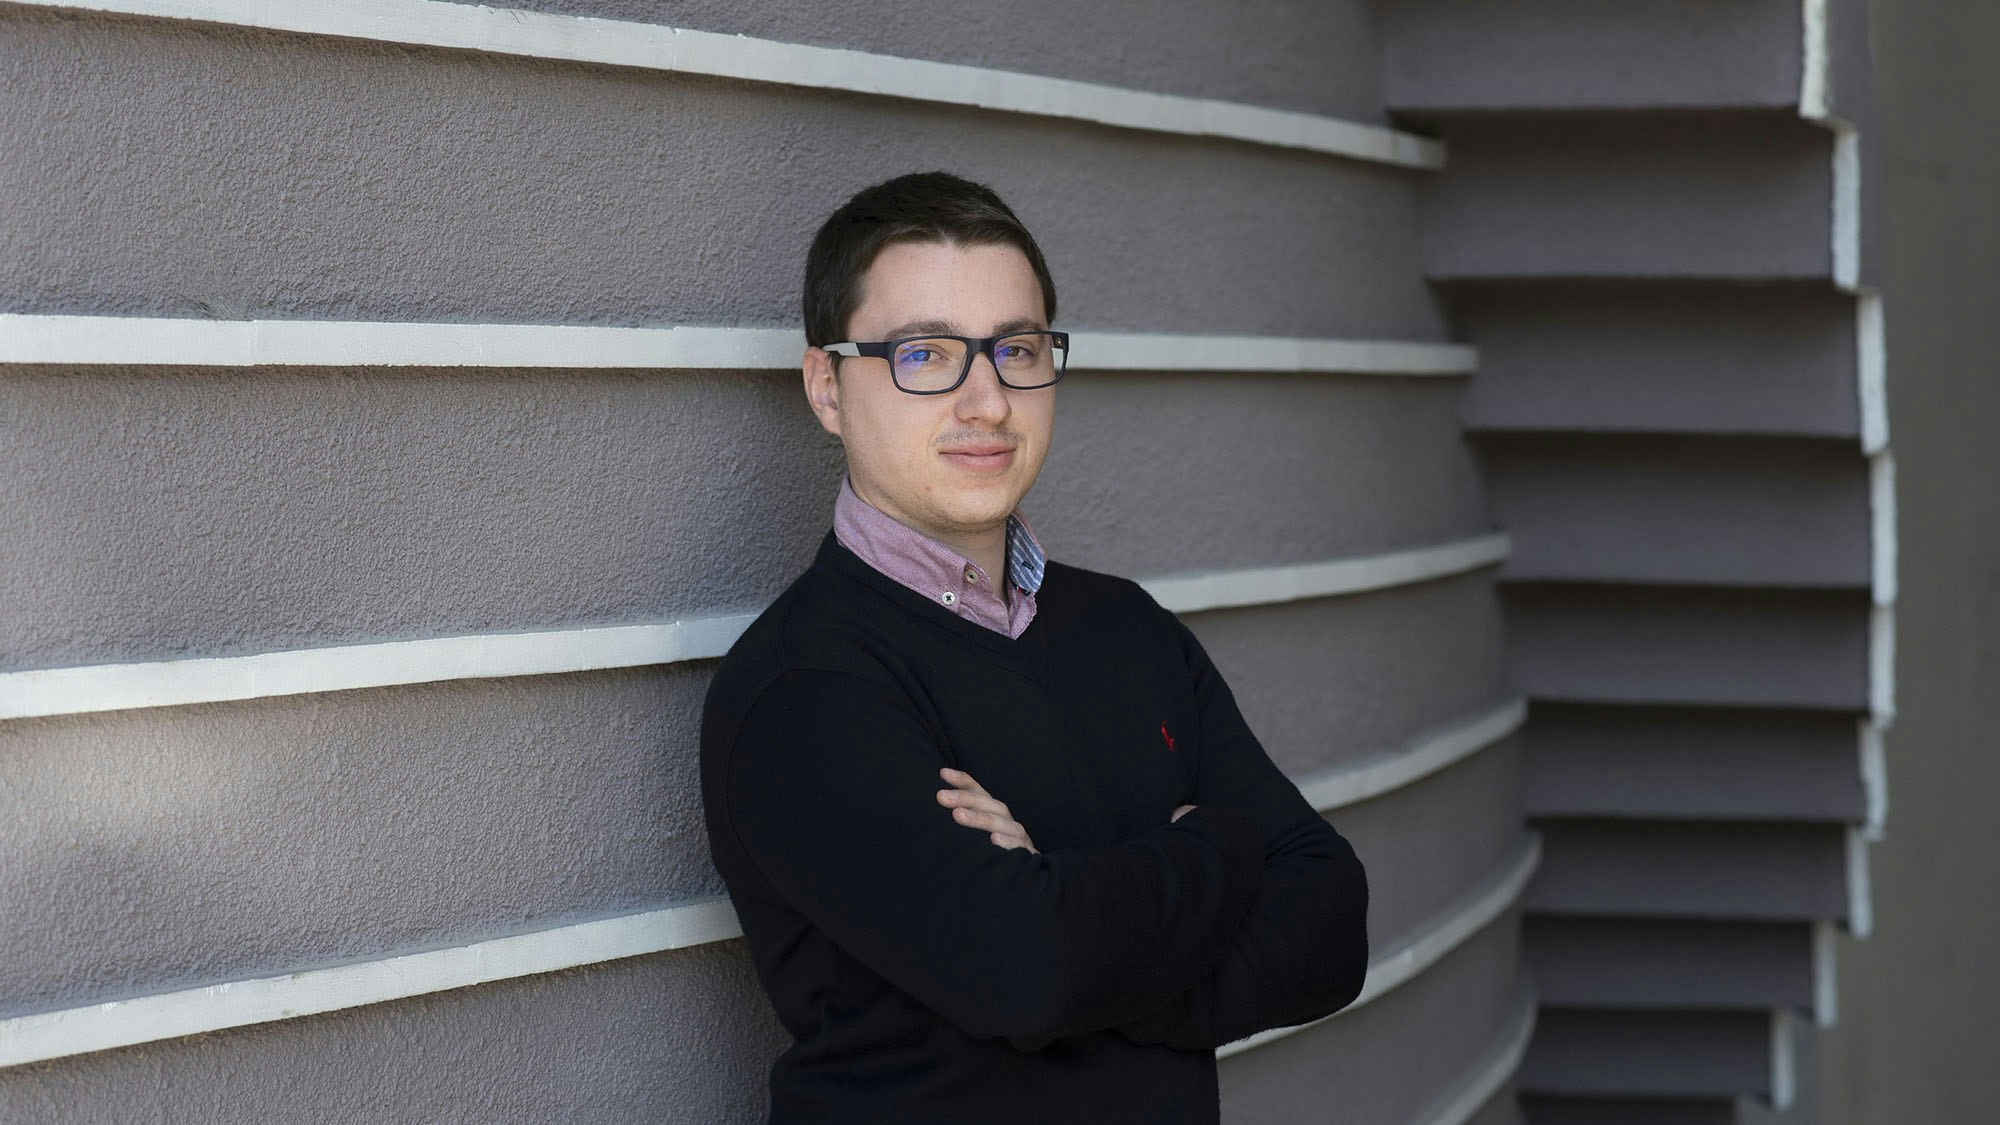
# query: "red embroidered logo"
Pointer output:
{"type": "Point", "coordinates": [1165, 737]}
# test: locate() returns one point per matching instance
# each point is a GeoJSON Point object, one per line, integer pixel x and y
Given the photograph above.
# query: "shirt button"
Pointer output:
{"type": "Point", "coordinates": [972, 576]}
{"type": "Point", "coordinates": [948, 598]}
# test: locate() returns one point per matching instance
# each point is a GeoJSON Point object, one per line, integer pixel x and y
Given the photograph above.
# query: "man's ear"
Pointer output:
{"type": "Point", "coordinates": [822, 388]}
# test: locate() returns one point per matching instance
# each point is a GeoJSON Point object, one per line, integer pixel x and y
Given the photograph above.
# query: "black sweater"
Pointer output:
{"type": "Point", "coordinates": [927, 974]}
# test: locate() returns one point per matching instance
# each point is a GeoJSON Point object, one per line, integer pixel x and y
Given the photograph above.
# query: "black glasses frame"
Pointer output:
{"type": "Point", "coordinates": [976, 346]}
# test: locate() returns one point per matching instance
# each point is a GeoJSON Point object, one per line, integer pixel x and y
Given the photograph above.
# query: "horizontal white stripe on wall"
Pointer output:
{"type": "Point", "coordinates": [1264, 585]}
{"type": "Point", "coordinates": [1499, 1064]}
{"type": "Point", "coordinates": [184, 341]}
{"type": "Point", "coordinates": [166, 683]}
{"type": "Point", "coordinates": [171, 1015]}
{"type": "Point", "coordinates": [648, 46]}
{"type": "Point", "coordinates": [1424, 756]}
{"type": "Point", "coordinates": [1409, 959]}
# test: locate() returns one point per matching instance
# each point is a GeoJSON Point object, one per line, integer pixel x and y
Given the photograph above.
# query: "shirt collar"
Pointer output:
{"type": "Point", "coordinates": [940, 573]}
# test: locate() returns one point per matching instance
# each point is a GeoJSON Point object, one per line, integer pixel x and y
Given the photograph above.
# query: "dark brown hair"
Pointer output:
{"type": "Point", "coordinates": [919, 207]}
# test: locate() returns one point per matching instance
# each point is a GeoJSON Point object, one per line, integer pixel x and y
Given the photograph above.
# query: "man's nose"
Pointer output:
{"type": "Point", "coordinates": [981, 395]}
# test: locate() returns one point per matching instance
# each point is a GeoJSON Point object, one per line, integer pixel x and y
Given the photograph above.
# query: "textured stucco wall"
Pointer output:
{"type": "Point", "coordinates": [171, 169]}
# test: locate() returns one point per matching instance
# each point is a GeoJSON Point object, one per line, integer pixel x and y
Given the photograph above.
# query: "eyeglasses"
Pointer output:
{"type": "Point", "coordinates": [933, 365]}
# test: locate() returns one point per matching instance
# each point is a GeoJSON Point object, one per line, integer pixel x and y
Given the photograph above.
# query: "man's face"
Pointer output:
{"type": "Point", "coordinates": [949, 465]}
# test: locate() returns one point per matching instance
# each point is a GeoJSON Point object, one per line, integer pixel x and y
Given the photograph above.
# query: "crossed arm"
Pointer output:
{"type": "Point", "coordinates": [1245, 913]}
{"type": "Point", "coordinates": [972, 806]}
{"type": "Point", "coordinates": [1302, 951]}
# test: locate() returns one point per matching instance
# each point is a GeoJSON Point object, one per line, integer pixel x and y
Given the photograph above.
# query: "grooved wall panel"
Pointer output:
{"type": "Point", "coordinates": [1481, 56]}
{"type": "Point", "coordinates": [1661, 357]}
{"type": "Point", "coordinates": [1334, 681]}
{"type": "Point", "coordinates": [1713, 870]}
{"type": "Point", "coordinates": [1682, 510]}
{"type": "Point", "coordinates": [1738, 197]}
{"type": "Point", "coordinates": [432, 814]}
{"type": "Point", "coordinates": [1658, 963]}
{"type": "Point", "coordinates": [371, 181]}
{"type": "Point", "coordinates": [1665, 1054]}
{"type": "Point", "coordinates": [172, 168]}
{"type": "Point", "coordinates": [1386, 1061]}
{"type": "Point", "coordinates": [1286, 54]}
{"type": "Point", "coordinates": [1719, 763]}
{"type": "Point", "coordinates": [1428, 846]}
{"type": "Point", "coordinates": [204, 512]}
{"type": "Point", "coordinates": [677, 1036]}
{"type": "Point", "coordinates": [198, 512]}
{"type": "Point", "coordinates": [1152, 475]}
{"type": "Point", "coordinates": [154, 850]}
{"type": "Point", "coordinates": [1782, 648]}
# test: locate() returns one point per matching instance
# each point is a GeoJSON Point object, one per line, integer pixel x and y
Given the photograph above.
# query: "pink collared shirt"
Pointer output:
{"type": "Point", "coordinates": [939, 573]}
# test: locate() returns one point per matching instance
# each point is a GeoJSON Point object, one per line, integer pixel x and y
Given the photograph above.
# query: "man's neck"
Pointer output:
{"type": "Point", "coordinates": [985, 548]}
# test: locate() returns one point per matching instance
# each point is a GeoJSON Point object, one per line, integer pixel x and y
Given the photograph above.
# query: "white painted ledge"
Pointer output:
{"type": "Point", "coordinates": [1443, 934]}
{"type": "Point", "coordinates": [1874, 769]}
{"type": "Point", "coordinates": [545, 35]}
{"type": "Point", "coordinates": [1265, 585]}
{"type": "Point", "coordinates": [1784, 1061]}
{"type": "Point", "coordinates": [1133, 351]}
{"type": "Point", "coordinates": [1425, 755]}
{"type": "Point", "coordinates": [1882, 664]}
{"type": "Point", "coordinates": [182, 341]}
{"type": "Point", "coordinates": [1815, 63]}
{"type": "Point", "coordinates": [188, 342]}
{"type": "Point", "coordinates": [171, 1015]}
{"type": "Point", "coordinates": [1846, 205]}
{"type": "Point", "coordinates": [1826, 976]}
{"type": "Point", "coordinates": [169, 683]}
{"type": "Point", "coordinates": [1490, 1075]}
{"type": "Point", "coordinates": [1871, 363]}
{"type": "Point", "coordinates": [1860, 889]}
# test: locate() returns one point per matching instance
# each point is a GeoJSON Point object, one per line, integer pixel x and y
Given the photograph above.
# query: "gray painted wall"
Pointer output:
{"type": "Point", "coordinates": [164, 168]}
{"type": "Point", "coordinates": [1921, 997]}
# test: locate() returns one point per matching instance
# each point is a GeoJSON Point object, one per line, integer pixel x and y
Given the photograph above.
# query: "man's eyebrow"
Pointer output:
{"type": "Point", "coordinates": [935, 327]}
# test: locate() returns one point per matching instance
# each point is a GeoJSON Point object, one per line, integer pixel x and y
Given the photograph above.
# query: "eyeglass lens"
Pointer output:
{"type": "Point", "coordinates": [934, 363]}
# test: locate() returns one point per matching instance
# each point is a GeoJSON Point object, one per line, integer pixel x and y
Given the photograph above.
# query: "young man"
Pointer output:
{"type": "Point", "coordinates": [1002, 846]}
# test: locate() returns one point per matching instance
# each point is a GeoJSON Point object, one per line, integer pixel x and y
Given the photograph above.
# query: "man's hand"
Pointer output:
{"type": "Point", "coordinates": [972, 806]}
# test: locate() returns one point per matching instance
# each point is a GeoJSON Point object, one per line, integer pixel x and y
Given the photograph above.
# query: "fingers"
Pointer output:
{"type": "Point", "coordinates": [1012, 842]}
{"type": "Point", "coordinates": [972, 806]}
{"type": "Point", "coordinates": [978, 812]}
{"type": "Point", "coordinates": [962, 780]}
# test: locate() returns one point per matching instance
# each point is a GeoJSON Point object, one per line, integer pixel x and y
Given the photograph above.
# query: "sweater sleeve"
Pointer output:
{"type": "Point", "coordinates": [831, 788]}
{"type": "Point", "coordinates": [1302, 952]}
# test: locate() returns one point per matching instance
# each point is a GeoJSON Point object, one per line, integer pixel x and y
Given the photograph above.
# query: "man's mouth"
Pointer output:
{"type": "Point", "coordinates": [980, 455]}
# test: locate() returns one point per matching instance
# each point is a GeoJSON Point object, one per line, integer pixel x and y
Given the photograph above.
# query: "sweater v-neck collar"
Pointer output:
{"type": "Point", "coordinates": [1024, 651]}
